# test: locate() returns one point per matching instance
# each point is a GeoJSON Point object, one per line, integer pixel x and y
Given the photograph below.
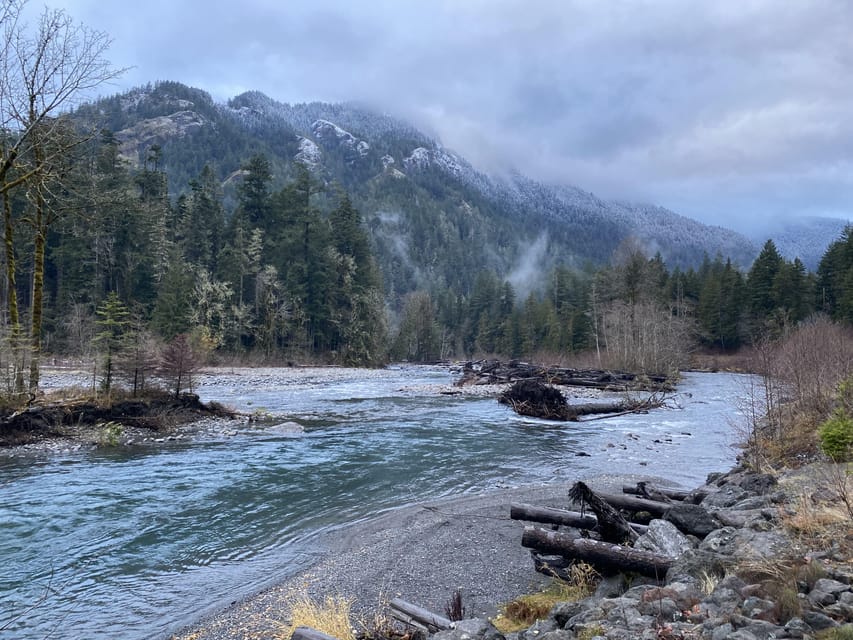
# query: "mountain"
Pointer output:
{"type": "Point", "coordinates": [804, 238]}
{"type": "Point", "coordinates": [435, 220]}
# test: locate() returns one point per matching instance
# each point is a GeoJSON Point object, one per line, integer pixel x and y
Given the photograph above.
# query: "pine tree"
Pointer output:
{"type": "Point", "coordinates": [834, 289]}
{"type": "Point", "coordinates": [761, 297]}
{"type": "Point", "coordinates": [113, 324]}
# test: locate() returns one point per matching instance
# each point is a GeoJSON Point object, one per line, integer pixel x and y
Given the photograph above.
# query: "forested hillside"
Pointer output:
{"type": "Point", "coordinates": [328, 233]}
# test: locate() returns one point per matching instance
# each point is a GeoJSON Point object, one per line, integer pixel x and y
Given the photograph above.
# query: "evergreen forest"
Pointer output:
{"type": "Point", "coordinates": [227, 237]}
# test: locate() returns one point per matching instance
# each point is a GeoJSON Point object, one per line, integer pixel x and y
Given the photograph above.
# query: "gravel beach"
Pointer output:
{"type": "Point", "coordinates": [421, 553]}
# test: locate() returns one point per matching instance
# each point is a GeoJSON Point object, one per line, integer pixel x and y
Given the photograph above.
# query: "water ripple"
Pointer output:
{"type": "Point", "coordinates": [131, 543]}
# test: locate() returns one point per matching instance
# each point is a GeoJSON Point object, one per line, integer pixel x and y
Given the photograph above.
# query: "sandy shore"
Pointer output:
{"type": "Point", "coordinates": [420, 553]}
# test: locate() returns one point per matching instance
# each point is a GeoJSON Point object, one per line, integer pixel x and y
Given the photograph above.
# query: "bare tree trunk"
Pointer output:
{"type": "Point", "coordinates": [12, 295]}
{"type": "Point", "coordinates": [38, 296]}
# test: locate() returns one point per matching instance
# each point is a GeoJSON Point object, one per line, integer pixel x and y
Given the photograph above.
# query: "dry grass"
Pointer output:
{"type": "Point", "coordinates": [588, 633]}
{"type": "Point", "coordinates": [815, 522]}
{"type": "Point", "coordinates": [332, 616]}
{"type": "Point", "coordinates": [527, 609]}
{"type": "Point", "coordinates": [708, 582]}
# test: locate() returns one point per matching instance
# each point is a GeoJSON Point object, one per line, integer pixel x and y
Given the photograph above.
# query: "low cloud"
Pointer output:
{"type": "Point", "coordinates": [720, 110]}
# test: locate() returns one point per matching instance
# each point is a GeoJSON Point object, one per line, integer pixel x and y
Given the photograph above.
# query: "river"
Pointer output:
{"type": "Point", "coordinates": [135, 542]}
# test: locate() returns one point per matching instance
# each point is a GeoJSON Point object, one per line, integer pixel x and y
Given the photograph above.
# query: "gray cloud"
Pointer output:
{"type": "Point", "coordinates": [728, 111]}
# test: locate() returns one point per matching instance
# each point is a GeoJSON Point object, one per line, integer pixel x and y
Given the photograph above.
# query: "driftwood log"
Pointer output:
{"type": "Point", "coordinates": [633, 503]}
{"type": "Point", "coordinates": [604, 556]}
{"type": "Point", "coordinates": [646, 490]}
{"type": "Point", "coordinates": [417, 616]}
{"type": "Point", "coordinates": [537, 399]}
{"type": "Point", "coordinates": [496, 372]}
{"type": "Point", "coordinates": [550, 515]}
{"type": "Point", "coordinates": [533, 397]}
{"type": "Point", "coordinates": [612, 526]}
{"type": "Point", "coordinates": [307, 633]}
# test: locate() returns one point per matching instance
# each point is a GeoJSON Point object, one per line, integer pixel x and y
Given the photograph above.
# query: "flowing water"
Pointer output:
{"type": "Point", "coordinates": [135, 542]}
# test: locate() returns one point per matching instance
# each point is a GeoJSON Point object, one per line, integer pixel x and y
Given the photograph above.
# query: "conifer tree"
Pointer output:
{"type": "Point", "coordinates": [113, 323]}
{"type": "Point", "coordinates": [761, 297]}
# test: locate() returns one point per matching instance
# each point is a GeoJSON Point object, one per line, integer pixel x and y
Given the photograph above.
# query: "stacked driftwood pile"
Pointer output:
{"type": "Point", "coordinates": [605, 539]}
{"type": "Point", "coordinates": [532, 397]}
{"type": "Point", "coordinates": [497, 372]}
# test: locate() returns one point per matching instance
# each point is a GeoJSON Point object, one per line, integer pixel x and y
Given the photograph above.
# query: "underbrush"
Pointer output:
{"type": "Point", "coordinates": [799, 407]}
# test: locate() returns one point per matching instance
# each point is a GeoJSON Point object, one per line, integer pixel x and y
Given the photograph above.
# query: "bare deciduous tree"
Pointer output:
{"type": "Point", "coordinates": [44, 72]}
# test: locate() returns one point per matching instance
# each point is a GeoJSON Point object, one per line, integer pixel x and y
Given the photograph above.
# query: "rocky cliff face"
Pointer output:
{"type": "Point", "coordinates": [135, 141]}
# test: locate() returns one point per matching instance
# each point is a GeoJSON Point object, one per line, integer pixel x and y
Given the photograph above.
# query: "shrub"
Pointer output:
{"type": "Point", "coordinates": [836, 436]}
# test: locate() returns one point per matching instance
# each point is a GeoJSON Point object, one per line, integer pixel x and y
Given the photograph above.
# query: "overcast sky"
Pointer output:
{"type": "Point", "coordinates": [727, 111]}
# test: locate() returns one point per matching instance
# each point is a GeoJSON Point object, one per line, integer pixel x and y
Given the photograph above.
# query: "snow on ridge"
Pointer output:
{"type": "Point", "coordinates": [324, 130]}
{"type": "Point", "coordinates": [419, 159]}
{"type": "Point", "coordinates": [309, 153]}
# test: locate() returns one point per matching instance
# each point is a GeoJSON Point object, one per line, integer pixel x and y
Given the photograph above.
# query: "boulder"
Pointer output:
{"type": "Point", "coordinates": [826, 592]}
{"type": "Point", "coordinates": [691, 518]}
{"type": "Point", "coordinates": [465, 630]}
{"type": "Point", "coordinates": [757, 483]}
{"type": "Point", "coordinates": [663, 538]}
{"type": "Point", "coordinates": [818, 621]}
{"type": "Point", "coordinates": [727, 496]}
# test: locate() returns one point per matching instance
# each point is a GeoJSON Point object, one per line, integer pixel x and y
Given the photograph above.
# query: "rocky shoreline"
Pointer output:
{"type": "Point", "coordinates": [750, 577]}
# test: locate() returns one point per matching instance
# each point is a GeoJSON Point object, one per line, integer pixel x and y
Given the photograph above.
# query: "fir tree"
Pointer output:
{"type": "Point", "coordinates": [113, 323]}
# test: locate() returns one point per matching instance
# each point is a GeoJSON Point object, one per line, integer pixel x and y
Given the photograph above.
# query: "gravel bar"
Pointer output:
{"type": "Point", "coordinates": [421, 553]}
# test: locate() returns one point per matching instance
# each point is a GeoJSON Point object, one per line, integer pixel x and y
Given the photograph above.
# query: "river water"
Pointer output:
{"type": "Point", "coordinates": [136, 542]}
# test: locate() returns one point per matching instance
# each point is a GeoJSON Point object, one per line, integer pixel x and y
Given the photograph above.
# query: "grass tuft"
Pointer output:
{"type": "Point", "coordinates": [527, 609]}
{"type": "Point", "coordinates": [331, 616]}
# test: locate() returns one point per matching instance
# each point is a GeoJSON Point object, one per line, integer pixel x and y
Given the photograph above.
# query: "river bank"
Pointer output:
{"type": "Point", "coordinates": [777, 568]}
{"type": "Point", "coordinates": [421, 553]}
{"type": "Point", "coordinates": [134, 541]}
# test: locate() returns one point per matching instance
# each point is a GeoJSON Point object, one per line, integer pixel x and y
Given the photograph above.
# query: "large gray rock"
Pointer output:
{"type": "Point", "coordinates": [725, 497]}
{"type": "Point", "coordinates": [663, 538]}
{"type": "Point", "coordinates": [558, 634]}
{"type": "Point", "coordinates": [664, 609]}
{"type": "Point", "coordinates": [754, 606]}
{"type": "Point", "coordinates": [745, 544]}
{"type": "Point", "coordinates": [691, 518]}
{"type": "Point", "coordinates": [757, 483]}
{"type": "Point", "coordinates": [565, 611]}
{"type": "Point", "coordinates": [762, 629]}
{"type": "Point", "coordinates": [835, 587]}
{"type": "Point", "coordinates": [752, 502]}
{"type": "Point", "coordinates": [465, 630]}
{"type": "Point", "coordinates": [611, 586]}
{"type": "Point", "coordinates": [826, 592]}
{"type": "Point", "coordinates": [723, 631]}
{"type": "Point", "coordinates": [797, 628]}
{"type": "Point", "coordinates": [818, 621]}
{"type": "Point", "coordinates": [695, 565]}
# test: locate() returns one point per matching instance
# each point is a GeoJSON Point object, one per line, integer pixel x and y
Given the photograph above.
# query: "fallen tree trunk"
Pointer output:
{"type": "Point", "coordinates": [611, 525]}
{"type": "Point", "coordinates": [602, 555]}
{"type": "Point", "coordinates": [550, 515]}
{"type": "Point", "coordinates": [647, 490]}
{"type": "Point", "coordinates": [417, 616]}
{"type": "Point", "coordinates": [630, 503]}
